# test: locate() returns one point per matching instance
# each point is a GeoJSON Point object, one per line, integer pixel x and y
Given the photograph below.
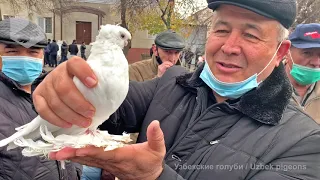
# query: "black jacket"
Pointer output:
{"type": "Point", "coordinates": [54, 48]}
{"type": "Point", "coordinates": [260, 136]}
{"type": "Point", "coordinates": [16, 110]}
{"type": "Point", "coordinates": [83, 49]}
{"type": "Point", "coordinates": [64, 50]}
{"type": "Point", "coordinates": [73, 49]}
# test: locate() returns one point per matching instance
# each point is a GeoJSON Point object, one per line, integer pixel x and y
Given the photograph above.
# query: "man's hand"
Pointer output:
{"type": "Point", "coordinates": [142, 161]}
{"type": "Point", "coordinates": [163, 67]}
{"type": "Point", "coordinates": [58, 100]}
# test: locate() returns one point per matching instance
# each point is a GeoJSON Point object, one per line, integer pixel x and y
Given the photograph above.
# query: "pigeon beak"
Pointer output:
{"type": "Point", "coordinates": [126, 43]}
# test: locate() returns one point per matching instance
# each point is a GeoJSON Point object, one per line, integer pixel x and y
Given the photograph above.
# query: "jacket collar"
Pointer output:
{"type": "Point", "coordinates": [11, 83]}
{"type": "Point", "coordinates": [265, 103]}
{"type": "Point", "coordinates": [314, 91]}
{"type": "Point", "coordinates": [154, 64]}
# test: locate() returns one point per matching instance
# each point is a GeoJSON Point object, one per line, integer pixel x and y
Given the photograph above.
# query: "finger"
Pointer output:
{"type": "Point", "coordinates": [42, 107]}
{"type": "Point", "coordinates": [155, 137]}
{"type": "Point", "coordinates": [64, 111]}
{"type": "Point", "coordinates": [64, 154]}
{"type": "Point", "coordinates": [70, 95]}
{"type": "Point", "coordinates": [95, 152]}
{"type": "Point", "coordinates": [86, 162]}
{"type": "Point", "coordinates": [80, 68]}
{"type": "Point", "coordinates": [168, 63]}
{"type": "Point", "coordinates": [95, 163]}
{"type": "Point", "coordinates": [88, 151]}
{"type": "Point", "coordinates": [52, 156]}
{"type": "Point", "coordinates": [46, 113]}
{"type": "Point", "coordinates": [166, 66]}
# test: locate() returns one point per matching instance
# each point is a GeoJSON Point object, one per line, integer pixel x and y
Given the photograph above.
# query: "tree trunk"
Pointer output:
{"type": "Point", "coordinates": [0, 15]}
{"type": "Point", "coordinates": [123, 14]}
{"type": "Point", "coordinates": [124, 24]}
{"type": "Point", "coordinates": [170, 12]}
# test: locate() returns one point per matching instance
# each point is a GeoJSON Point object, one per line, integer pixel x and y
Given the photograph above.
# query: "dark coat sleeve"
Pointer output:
{"type": "Point", "coordinates": [302, 161]}
{"type": "Point", "coordinates": [169, 174]}
{"type": "Point", "coordinates": [77, 49]}
{"type": "Point", "coordinates": [128, 118]}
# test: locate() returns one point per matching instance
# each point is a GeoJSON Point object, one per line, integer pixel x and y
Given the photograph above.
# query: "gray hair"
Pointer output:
{"type": "Point", "coordinates": [283, 33]}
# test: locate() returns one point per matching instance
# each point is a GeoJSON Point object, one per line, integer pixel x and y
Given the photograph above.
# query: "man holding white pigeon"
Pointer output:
{"type": "Point", "coordinates": [21, 56]}
{"type": "Point", "coordinates": [231, 119]}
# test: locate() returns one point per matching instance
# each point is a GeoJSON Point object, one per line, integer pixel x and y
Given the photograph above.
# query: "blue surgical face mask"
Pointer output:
{"type": "Point", "coordinates": [22, 69]}
{"type": "Point", "coordinates": [231, 90]}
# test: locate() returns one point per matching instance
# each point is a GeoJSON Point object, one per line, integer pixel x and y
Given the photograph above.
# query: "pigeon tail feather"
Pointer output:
{"type": "Point", "coordinates": [28, 128]}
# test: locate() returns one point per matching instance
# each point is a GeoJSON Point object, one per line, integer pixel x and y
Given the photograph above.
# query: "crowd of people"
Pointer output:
{"type": "Point", "coordinates": [52, 48]}
{"type": "Point", "coordinates": [249, 111]}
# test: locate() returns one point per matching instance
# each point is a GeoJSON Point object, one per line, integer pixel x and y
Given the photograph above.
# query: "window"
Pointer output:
{"type": "Point", "coordinates": [7, 17]}
{"type": "Point", "coordinates": [45, 23]}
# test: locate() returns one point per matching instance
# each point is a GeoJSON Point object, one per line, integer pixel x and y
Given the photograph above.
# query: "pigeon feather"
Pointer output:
{"type": "Point", "coordinates": [111, 69]}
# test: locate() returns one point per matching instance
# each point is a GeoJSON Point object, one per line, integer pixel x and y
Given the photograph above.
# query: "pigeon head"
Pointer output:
{"type": "Point", "coordinates": [114, 34]}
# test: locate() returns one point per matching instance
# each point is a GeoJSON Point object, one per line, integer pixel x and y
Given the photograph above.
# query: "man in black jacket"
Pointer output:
{"type": "Point", "coordinates": [83, 51]}
{"type": "Point", "coordinates": [22, 64]}
{"type": "Point", "coordinates": [232, 119]}
{"type": "Point", "coordinates": [54, 48]}
{"type": "Point", "coordinates": [73, 48]}
{"type": "Point", "coordinates": [64, 52]}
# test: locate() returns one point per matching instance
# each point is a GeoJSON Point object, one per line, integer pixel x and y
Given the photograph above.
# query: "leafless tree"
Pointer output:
{"type": "Point", "coordinates": [38, 6]}
{"type": "Point", "coordinates": [308, 12]}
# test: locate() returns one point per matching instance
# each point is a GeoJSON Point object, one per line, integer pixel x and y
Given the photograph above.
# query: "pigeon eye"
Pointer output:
{"type": "Point", "coordinates": [122, 36]}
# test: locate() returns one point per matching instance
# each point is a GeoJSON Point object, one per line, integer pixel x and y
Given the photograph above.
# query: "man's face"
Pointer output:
{"type": "Point", "coordinates": [305, 57]}
{"type": "Point", "coordinates": [242, 43]}
{"type": "Point", "coordinates": [16, 50]}
{"type": "Point", "coordinates": [168, 55]}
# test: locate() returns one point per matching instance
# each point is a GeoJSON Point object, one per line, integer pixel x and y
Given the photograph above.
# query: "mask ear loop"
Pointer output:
{"type": "Point", "coordinates": [271, 59]}
{"type": "Point", "coordinates": [291, 60]}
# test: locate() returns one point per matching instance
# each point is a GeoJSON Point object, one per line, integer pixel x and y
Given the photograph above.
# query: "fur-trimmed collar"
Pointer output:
{"type": "Point", "coordinates": [265, 103]}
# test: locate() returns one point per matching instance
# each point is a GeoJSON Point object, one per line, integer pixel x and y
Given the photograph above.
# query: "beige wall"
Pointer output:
{"type": "Point", "coordinates": [141, 39]}
{"type": "Point", "coordinates": [69, 25]}
{"type": "Point", "coordinates": [69, 19]}
{"type": "Point", "coordinates": [6, 10]}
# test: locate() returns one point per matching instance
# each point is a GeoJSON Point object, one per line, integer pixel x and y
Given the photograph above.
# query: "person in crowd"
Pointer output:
{"type": "Point", "coordinates": [200, 61]}
{"type": "Point", "coordinates": [47, 54]}
{"type": "Point", "coordinates": [152, 49]}
{"type": "Point", "coordinates": [54, 48]}
{"type": "Point", "coordinates": [21, 65]}
{"type": "Point", "coordinates": [73, 48]}
{"type": "Point", "coordinates": [64, 52]}
{"type": "Point", "coordinates": [83, 51]}
{"type": "Point", "coordinates": [303, 67]}
{"type": "Point", "coordinates": [168, 47]}
{"type": "Point", "coordinates": [233, 118]}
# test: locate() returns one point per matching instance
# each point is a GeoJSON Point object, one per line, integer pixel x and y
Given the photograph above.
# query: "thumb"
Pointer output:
{"type": "Point", "coordinates": [155, 137]}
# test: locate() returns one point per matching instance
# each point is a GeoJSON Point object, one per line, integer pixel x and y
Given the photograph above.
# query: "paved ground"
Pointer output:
{"type": "Point", "coordinates": [47, 68]}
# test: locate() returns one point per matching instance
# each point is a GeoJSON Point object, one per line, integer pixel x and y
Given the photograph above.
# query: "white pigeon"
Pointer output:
{"type": "Point", "coordinates": [111, 69]}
